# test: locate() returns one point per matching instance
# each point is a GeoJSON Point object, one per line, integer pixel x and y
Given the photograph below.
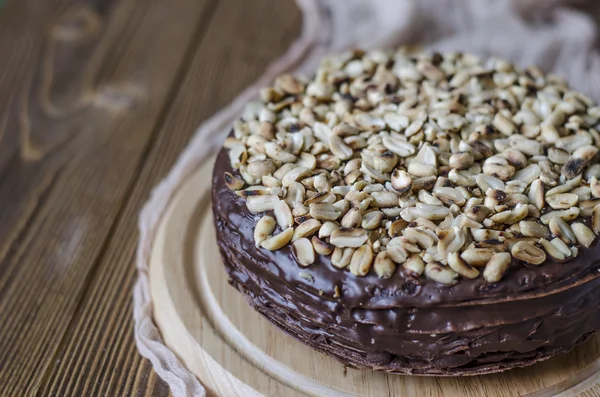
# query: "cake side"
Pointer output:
{"type": "Point", "coordinates": [362, 327]}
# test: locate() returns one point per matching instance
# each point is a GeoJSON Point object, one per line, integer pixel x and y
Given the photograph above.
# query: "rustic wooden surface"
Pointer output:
{"type": "Point", "coordinates": [97, 99]}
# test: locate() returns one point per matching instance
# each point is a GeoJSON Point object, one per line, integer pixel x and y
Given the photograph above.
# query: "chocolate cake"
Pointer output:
{"type": "Point", "coordinates": [416, 213]}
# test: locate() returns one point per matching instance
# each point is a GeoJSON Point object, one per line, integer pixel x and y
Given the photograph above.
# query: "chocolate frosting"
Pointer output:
{"type": "Point", "coordinates": [406, 324]}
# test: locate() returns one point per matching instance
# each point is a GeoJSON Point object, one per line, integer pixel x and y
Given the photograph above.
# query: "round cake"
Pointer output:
{"type": "Point", "coordinates": [417, 213]}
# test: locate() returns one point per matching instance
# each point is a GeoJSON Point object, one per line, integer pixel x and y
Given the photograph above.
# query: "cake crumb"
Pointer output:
{"type": "Point", "coordinates": [337, 292]}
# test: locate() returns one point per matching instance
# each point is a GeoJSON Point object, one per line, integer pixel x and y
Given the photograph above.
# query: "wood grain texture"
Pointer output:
{"type": "Point", "coordinates": [99, 357]}
{"type": "Point", "coordinates": [82, 92]}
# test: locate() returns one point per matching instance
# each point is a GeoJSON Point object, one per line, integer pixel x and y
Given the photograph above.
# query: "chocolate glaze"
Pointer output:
{"type": "Point", "coordinates": [409, 325]}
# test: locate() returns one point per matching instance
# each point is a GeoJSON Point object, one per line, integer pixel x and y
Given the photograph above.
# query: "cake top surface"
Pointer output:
{"type": "Point", "coordinates": [435, 166]}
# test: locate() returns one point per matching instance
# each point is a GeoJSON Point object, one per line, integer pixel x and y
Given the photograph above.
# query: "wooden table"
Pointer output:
{"type": "Point", "coordinates": [97, 99]}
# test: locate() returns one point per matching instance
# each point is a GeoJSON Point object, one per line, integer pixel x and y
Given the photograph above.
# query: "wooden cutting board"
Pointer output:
{"type": "Point", "coordinates": [226, 344]}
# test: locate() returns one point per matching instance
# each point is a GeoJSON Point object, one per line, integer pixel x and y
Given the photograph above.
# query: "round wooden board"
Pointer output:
{"type": "Point", "coordinates": [220, 339]}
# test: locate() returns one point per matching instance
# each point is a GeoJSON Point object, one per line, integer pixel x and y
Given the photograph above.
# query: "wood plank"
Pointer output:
{"type": "Point", "coordinates": [99, 357]}
{"type": "Point", "coordinates": [83, 84]}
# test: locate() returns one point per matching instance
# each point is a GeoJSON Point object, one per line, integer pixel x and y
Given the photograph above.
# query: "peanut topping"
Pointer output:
{"type": "Point", "coordinates": [459, 171]}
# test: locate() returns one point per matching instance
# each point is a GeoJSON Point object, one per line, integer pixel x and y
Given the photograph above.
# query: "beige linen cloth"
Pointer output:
{"type": "Point", "coordinates": [528, 32]}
